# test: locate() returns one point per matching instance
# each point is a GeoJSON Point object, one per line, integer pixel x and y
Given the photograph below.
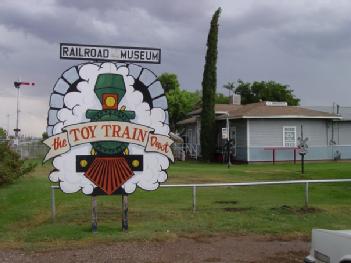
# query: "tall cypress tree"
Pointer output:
{"type": "Point", "coordinates": [209, 84]}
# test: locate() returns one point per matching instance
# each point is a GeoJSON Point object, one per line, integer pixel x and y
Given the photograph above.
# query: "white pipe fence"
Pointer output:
{"type": "Point", "coordinates": [240, 184]}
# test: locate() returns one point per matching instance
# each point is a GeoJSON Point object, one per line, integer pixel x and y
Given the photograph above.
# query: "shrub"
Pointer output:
{"type": "Point", "coordinates": [11, 166]}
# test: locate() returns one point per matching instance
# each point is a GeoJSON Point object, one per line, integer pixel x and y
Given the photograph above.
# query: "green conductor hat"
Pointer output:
{"type": "Point", "coordinates": [110, 83]}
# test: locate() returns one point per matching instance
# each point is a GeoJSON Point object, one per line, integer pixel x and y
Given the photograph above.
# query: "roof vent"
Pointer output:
{"type": "Point", "coordinates": [277, 103]}
{"type": "Point", "coordinates": [235, 99]}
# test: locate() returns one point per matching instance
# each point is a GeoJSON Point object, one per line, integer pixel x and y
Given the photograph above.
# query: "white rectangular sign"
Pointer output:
{"type": "Point", "coordinates": [224, 133]}
{"type": "Point", "coordinates": [110, 53]}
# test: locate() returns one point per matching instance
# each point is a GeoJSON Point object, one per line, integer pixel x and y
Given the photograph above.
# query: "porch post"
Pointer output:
{"type": "Point", "coordinates": [228, 139]}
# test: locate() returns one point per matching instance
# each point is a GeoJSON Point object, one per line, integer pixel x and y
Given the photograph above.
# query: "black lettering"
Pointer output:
{"type": "Point", "coordinates": [130, 54]}
{"type": "Point", "coordinates": [155, 56]}
{"type": "Point", "coordinates": [123, 54]}
{"type": "Point", "coordinates": [65, 51]}
{"type": "Point", "coordinates": [86, 52]}
{"type": "Point", "coordinates": [142, 53]}
{"type": "Point", "coordinates": [72, 52]}
{"type": "Point", "coordinates": [105, 53]}
{"type": "Point", "coordinates": [93, 53]}
{"type": "Point", "coordinates": [148, 55]}
{"type": "Point", "coordinates": [99, 54]}
{"type": "Point", "coordinates": [136, 54]}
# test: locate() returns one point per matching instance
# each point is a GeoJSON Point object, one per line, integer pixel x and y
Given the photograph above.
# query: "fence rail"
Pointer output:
{"type": "Point", "coordinates": [238, 184]}
{"type": "Point", "coordinates": [258, 183]}
{"type": "Point", "coordinates": [29, 149]}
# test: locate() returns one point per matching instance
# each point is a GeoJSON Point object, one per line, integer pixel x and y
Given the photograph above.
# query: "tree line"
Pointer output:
{"type": "Point", "coordinates": [181, 102]}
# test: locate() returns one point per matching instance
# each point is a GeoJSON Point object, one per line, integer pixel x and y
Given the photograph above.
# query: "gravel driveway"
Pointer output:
{"type": "Point", "coordinates": [204, 249]}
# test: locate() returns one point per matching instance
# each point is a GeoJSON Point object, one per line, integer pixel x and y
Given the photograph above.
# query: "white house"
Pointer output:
{"type": "Point", "coordinates": [266, 130]}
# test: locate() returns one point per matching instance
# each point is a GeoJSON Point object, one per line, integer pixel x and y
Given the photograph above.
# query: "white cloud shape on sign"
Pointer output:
{"type": "Point", "coordinates": [78, 102]}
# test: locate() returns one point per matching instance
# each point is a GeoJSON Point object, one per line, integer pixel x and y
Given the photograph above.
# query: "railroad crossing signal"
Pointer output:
{"type": "Point", "coordinates": [303, 149]}
{"type": "Point", "coordinates": [303, 145]}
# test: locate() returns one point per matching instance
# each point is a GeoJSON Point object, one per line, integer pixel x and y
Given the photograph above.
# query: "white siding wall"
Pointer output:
{"type": "Point", "coordinates": [342, 133]}
{"type": "Point", "coordinates": [269, 132]}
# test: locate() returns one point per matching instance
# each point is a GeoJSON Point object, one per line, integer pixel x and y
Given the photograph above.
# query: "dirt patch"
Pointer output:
{"type": "Point", "coordinates": [218, 248]}
{"type": "Point", "coordinates": [232, 209]}
{"type": "Point", "coordinates": [296, 210]}
{"type": "Point", "coordinates": [226, 202]}
{"type": "Point", "coordinates": [290, 257]}
{"type": "Point", "coordinates": [236, 209]}
{"type": "Point", "coordinates": [212, 260]}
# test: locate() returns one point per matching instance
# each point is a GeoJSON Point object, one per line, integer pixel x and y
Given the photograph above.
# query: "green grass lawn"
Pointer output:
{"type": "Point", "coordinates": [25, 217]}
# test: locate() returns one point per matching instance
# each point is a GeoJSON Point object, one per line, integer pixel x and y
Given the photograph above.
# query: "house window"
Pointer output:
{"type": "Point", "coordinates": [289, 136]}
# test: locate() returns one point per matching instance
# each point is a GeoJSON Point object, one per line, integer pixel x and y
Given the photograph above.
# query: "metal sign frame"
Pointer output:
{"type": "Point", "coordinates": [138, 52]}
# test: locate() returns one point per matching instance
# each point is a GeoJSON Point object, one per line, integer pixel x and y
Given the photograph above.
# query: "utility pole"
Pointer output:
{"type": "Point", "coordinates": [228, 139]}
{"type": "Point", "coordinates": [8, 125]}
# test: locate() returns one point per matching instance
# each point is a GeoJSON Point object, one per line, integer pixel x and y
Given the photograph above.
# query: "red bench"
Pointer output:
{"type": "Point", "coordinates": [274, 149]}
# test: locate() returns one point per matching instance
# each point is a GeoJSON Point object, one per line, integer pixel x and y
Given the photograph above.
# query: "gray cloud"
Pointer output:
{"type": "Point", "coordinates": [179, 11]}
{"type": "Point", "coordinates": [320, 30]}
{"type": "Point", "coordinates": [53, 26]}
{"type": "Point", "coordinates": [302, 43]}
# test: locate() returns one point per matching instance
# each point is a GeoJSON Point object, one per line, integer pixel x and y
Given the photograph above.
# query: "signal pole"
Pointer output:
{"type": "Point", "coordinates": [17, 130]}
{"type": "Point", "coordinates": [17, 85]}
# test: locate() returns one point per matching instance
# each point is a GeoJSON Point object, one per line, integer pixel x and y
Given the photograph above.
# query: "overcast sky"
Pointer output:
{"type": "Point", "coordinates": [305, 44]}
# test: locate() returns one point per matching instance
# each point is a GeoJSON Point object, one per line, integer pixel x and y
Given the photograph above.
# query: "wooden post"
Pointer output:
{"type": "Point", "coordinates": [93, 214]}
{"type": "Point", "coordinates": [306, 195]}
{"type": "Point", "coordinates": [53, 205]}
{"type": "Point", "coordinates": [302, 163]}
{"type": "Point", "coordinates": [124, 212]}
{"type": "Point", "coordinates": [194, 199]}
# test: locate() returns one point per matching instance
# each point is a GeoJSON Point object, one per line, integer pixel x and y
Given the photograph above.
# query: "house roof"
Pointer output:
{"type": "Point", "coordinates": [263, 110]}
{"type": "Point", "coordinates": [187, 121]}
{"type": "Point", "coordinates": [219, 109]}
{"type": "Point", "coordinates": [344, 112]}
